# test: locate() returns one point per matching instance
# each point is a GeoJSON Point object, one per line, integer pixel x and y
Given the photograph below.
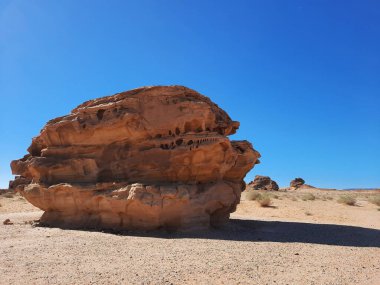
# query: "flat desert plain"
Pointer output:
{"type": "Point", "coordinates": [297, 240]}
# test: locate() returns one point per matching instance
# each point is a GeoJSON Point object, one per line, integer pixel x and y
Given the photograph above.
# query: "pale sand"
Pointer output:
{"type": "Point", "coordinates": [334, 244]}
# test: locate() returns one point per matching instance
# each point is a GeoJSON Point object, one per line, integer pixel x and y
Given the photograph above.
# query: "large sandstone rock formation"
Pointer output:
{"type": "Point", "coordinates": [147, 158]}
{"type": "Point", "coordinates": [263, 183]}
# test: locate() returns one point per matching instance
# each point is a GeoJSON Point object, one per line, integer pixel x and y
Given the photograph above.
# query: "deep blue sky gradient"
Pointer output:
{"type": "Point", "coordinates": [302, 77]}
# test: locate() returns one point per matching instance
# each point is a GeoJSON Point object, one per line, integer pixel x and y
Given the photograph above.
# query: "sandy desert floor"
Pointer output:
{"type": "Point", "coordinates": [293, 242]}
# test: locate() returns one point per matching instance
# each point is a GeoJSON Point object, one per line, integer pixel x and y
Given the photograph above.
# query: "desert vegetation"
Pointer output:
{"type": "Point", "coordinates": [308, 197]}
{"type": "Point", "coordinates": [264, 200]}
{"type": "Point", "coordinates": [350, 198]}
{"type": "Point", "coordinates": [8, 195]}
{"type": "Point", "coordinates": [347, 200]}
{"type": "Point", "coordinates": [375, 200]}
{"type": "Point", "coordinates": [251, 195]}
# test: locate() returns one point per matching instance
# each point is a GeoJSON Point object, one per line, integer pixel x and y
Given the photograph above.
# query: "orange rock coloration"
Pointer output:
{"type": "Point", "coordinates": [149, 158]}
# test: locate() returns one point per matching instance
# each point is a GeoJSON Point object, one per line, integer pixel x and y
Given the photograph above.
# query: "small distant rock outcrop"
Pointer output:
{"type": "Point", "coordinates": [263, 183]}
{"type": "Point", "coordinates": [7, 222]}
{"type": "Point", "coordinates": [149, 158]}
{"type": "Point", "coordinates": [297, 183]}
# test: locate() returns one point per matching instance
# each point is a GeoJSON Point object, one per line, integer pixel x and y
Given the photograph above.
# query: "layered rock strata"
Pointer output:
{"type": "Point", "coordinates": [148, 158]}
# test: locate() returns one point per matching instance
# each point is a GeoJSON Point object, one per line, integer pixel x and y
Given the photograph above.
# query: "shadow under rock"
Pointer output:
{"type": "Point", "coordinates": [273, 231]}
{"type": "Point", "coordinates": [287, 232]}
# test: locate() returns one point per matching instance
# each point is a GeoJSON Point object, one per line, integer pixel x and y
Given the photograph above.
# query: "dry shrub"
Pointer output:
{"type": "Point", "coordinates": [347, 200]}
{"type": "Point", "coordinates": [308, 197]}
{"type": "Point", "coordinates": [375, 200]}
{"type": "Point", "coordinates": [264, 200]}
{"type": "Point", "coordinates": [251, 195]}
{"type": "Point", "coordinates": [272, 195]}
{"type": "Point", "coordinates": [307, 213]}
{"type": "Point", "coordinates": [330, 198]}
{"type": "Point", "coordinates": [8, 195]}
{"type": "Point", "coordinates": [294, 199]}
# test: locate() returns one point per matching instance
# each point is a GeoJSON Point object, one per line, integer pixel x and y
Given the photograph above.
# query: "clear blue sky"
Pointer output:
{"type": "Point", "coordinates": [302, 77]}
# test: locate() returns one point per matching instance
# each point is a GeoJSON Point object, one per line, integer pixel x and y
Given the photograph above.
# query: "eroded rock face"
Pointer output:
{"type": "Point", "coordinates": [143, 159]}
{"type": "Point", "coordinates": [263, 183]}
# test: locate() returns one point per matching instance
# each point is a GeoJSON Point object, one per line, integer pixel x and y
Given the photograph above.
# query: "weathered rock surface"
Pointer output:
{"type": "Point", "coordinates": [147, 158]}
{"type": "Point", "coordinates": [297, 182]}
{"type": "Point", "coordinates": [263, 183]}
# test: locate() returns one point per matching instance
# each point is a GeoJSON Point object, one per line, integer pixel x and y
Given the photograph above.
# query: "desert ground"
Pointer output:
{"type": "Point", "coordinates": [298, 239]}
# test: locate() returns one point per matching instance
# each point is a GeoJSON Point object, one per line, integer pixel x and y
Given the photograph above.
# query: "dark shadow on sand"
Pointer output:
{"type": "Point", "coordinates": [272, 231]}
